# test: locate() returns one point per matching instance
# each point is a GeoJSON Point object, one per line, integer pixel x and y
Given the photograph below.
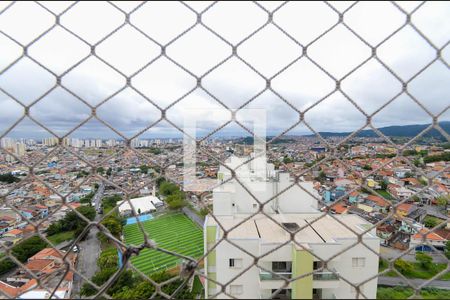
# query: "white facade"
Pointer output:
{"type": "Point", "coordinates": [142, 205]}
{"type": "Point", "coordinates": [264, 182]}
{"type": "Point", "coordinates": [322, 238]}
{"type": "Point", "coordinates": [319, 238]}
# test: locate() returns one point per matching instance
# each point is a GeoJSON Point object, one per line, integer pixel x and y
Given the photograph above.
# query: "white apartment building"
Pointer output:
{"type": "Point", "coordinates": [321, 238]}
{"type": "Point", "coordinates": [50, 142]}
{"type": "Point", "coordinates": [264, 182]}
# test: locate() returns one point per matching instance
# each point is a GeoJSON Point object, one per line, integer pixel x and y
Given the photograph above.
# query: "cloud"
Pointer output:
{"type": "Point", "coordinates": [233, 82]}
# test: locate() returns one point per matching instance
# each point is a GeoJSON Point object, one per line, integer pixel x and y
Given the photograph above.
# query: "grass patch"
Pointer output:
{"type": "Point", "coordinates": [174, 232]}
{"type": "Point", "coordinates": [404, 292]}
{"type": "Point", "coordinates": [197, 286]}
{"type": "Point", "coordinates": [418, 271]}
{"type": "Point", "coordinates": [385, 194]}
{"type": "Point", "coordinates": [61, 237]}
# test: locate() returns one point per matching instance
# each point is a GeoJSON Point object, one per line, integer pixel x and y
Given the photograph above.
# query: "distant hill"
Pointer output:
{"type": "Point", "coordinates": [396, 131]}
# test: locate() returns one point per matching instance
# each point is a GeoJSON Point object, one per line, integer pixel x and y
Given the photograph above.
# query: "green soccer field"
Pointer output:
{"type": "Point", "coordinates": [174, 232]}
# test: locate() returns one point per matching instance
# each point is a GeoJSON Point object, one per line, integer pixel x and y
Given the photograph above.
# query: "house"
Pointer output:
{"type": "Point", "coordinates": [339, 208]}
{"type": "Point", "coordinates": [44, 294]}
{"type": "Point", "coordinates": [353, 197]}
{"type": "Point", "coordinates": [411, 182]}
{"type": "Point", "coordinates": [399, 192]}
{"type": "Point", "coordinates": [372, 183]}
{"type": "Point", "coordinates": [47, 253]}
{"type": "Point", "coordinates": [42, 209]}
{"type": "Point", "coordinates": [40, 266]}
{"type": "Point", "coordinates": [13, 291]}
{"type": "Point", "coordinates": [374, 203]}
{"type": "Point", "coordinates": [385, 233]}
{"type": "Point", "coordinates": [15, 233]}
{"type": "Point", "coordinates": [405, 209]}
{"type": "Point", "coordinates": [29, 213]}
{"type": "Point", "coordinates": [431, 238]}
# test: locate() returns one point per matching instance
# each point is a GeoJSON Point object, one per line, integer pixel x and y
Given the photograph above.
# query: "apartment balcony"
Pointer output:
{"type": "Point", "coordinates": [325, 280]}
{"type": "Point", "coordinates": [270, 276]}
{"type": "Point", "coordinates": [271, 281]}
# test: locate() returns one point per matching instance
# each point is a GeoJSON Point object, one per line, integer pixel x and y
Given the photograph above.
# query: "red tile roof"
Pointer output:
{"type": "Point", "coordinates": [46, 252]}
{"type": "Point", "coordinates": [13, 292]}
{"type": "Point", "coordinates": [429, 236]}
{"type": "Point", "coordinates": [38, 264]}
{"type": "Point", "coordinates": [378, 200]}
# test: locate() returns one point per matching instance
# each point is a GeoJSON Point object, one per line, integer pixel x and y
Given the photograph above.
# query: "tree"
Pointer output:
{"type": "Point", "coordinates": [447, 249]}
{"type": "Point", "coordinates": [108, 260]}
{"type": "Point", "coordinates": [125, 280]}
{"type": "Point", "coordinates": [434, 158]}
{"type": "Point", "coordinates": [367, 167]}
{"type": "Point", "coordinates": [442, 201]}
{"type": "Point", "coordinates": [155, 151]}
{"type": "Point", "coordinates": [6, 265]}
{"type": "Point", "coordinates": [54, 228]}
{"type": "Point", "coordinates": [204, 211]}
{"type": "Point", "coordinates": [28, 248]}
{"type": "Point", "coordinates": [87, 211]}
{"type": "Point", "coordinates": [424, 260]}
{"type": "Point", "coordinates": [409, 175]}
{"type": "Point", "coordinates": [287, 160]}
{"type": "Point", "coordinates": [100, 170]}
{"type": "Point", "coordinates": [430, 222]}
{"type": "Point", "coordinates": [167, 188]}
{"type": "Point", "coordinates": [143, 290]}
{"type": "Point", "coordinates": [322, 175]}
{"type": "Point", "coordinates": [176, 201]}
{"type": "Point", "coordinates": [87, 198]}
{"type": "Point", "coordinates": [144, 169]}
{"type": "Point", "coordinates": [8, 178]}
{"type": "Point", "coordinates": [72, 221]}
{"type": "Point", "coordinates": [403, 266]}
{"type": "Point", "coordinates": [113, 224]}
{"type": "Point", "coordinates": [139, 211]}
{"type": "Point", "coordinates": [409, 152]}
{"type": "Point", "coordinates": [109, 171]}
{"type": "Point", "coordinates": [110, 202]}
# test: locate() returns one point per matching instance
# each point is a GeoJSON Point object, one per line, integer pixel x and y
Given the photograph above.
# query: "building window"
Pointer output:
{"type": "Point", "coordinates": [236, 289]}
{"type": "Point", "coordinates": [317, 265]}
{"type": "Point", "coordinates": [282, 266]}
{"type": "Point", "coordinates": [358, 262]}
{"type": "Point", "coordinates": [235, 263]}
{"type": "Point", "coordinates": [283, 294]}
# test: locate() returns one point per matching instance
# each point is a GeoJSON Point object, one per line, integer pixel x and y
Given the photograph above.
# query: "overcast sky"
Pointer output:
{"type": "Point", "coordinates": [233, 82]}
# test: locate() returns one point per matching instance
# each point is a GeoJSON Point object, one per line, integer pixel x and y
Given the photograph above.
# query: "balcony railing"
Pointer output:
{"type": "Point", "coordinates": [325, 276]}
{"type": "Point", "coordinates": [270, 276]}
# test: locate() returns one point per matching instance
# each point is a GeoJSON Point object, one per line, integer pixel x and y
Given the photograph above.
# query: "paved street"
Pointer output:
{"type": "Point", "coordinates": [395, 281]}
{"type": "Point", "coordinates": [388, 253]}
{"type": "Point", "coordinates": [89, 248]}
{"type": "Point", "coordinates": [98, 196]}
{"type": "Point", "coordinates": [87, 259]}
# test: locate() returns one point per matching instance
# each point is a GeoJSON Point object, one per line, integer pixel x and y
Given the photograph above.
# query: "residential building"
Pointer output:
{"type": "Point", "coordinates": [319, 238]}
{"type": "Point", "coordinates": [264, 183]}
